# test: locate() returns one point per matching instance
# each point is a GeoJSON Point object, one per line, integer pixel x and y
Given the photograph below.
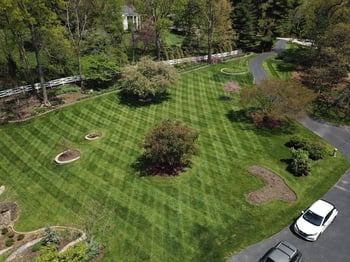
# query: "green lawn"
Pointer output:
{"type": "Point", "coordinates": [202, 215]}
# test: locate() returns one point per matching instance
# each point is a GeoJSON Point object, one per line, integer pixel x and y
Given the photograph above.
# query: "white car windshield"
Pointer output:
{"type": "Point", "coordinates": [313, 218]}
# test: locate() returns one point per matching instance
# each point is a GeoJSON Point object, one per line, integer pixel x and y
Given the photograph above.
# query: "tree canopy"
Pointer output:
{"type": "Point", "coordinates": [274, 100]}
{"type": "Point", "coordinates": [169, 147]}
{"type": "Point", "coordinates": [148, 79]}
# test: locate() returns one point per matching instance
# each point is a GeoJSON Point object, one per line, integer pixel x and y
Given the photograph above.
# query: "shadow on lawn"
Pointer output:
{"type": "Point", "coordinates": [136, 102]}
{"type": "Point", "coordinates": [241, 116]}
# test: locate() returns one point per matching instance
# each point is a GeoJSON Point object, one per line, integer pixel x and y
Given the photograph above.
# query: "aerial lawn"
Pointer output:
{"type": "Point", "coordinates": [201, 215]}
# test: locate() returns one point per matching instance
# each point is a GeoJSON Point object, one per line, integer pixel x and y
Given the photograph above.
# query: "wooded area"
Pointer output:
{"type": "Point", "coordinates": [43, 40]}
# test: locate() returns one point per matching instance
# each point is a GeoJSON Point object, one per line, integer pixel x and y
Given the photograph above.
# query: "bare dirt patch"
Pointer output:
{"type": "Point", "coordinates": [275, 187]}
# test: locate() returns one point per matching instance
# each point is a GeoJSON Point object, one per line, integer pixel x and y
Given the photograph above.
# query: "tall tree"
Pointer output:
{"type": "Point", "coordinates": [217, 23]}
{"type": "Point", "coordinates": [14, 31]}
{"type": "Point", "coordinates": [159, 11]}
{"type": "Point", "coordinates": [245, 22]}
{"type": "Point", "coordinates": [79, 14]}
{"type": "Point", "coordinates": [39, 17]}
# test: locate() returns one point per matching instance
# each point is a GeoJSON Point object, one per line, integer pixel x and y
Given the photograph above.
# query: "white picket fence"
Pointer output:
{"type": "Point", "coordinates": [201, 58]}
{"type": "Point", "coordinates": [72, 79]}
{"type": "Point", "coordinates": [37, 86]}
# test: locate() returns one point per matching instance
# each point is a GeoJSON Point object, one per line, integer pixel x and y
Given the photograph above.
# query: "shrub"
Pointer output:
{"type": "Point", "coordinates": [316, 151]}
{"type": "Point", "coordinates": [36, 247]}
{"type": "Point", "coordinates": [51, 237]}
{"type": "Point", "coordinates": [300, 163]}
{"type": "Point", "coordinates": [11, 234]}
{"type": "Point", "coordinates": [4, 231]}
{"type": "Point", "coordinates": [67, 88]}
{"type": "Point", "coordinates": [38, 110]}
{"type": "Point", "coordinates": [297, 142]}
{"type": "Point", "coordinates": [20, 237]}
{"type": "Point", "coordinates": [94, 249]}
{"type": "Point", "coordinates": [9, 242]}
{"type": "Point", "coordinates": [169, 147]}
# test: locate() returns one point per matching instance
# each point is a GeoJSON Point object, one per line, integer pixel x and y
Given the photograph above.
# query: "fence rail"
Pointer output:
{"type": "Point", "coordinates": [37, 86]}
{"type": "Point", "coordinates": [201, 58]}
{"type": "Point", "coordinates": [71, 79]}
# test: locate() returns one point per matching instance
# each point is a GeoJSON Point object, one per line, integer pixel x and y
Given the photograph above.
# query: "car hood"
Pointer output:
{"type": "Point", "coordinates": [307, 227]}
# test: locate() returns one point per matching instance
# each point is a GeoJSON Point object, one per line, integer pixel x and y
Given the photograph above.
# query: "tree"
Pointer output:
{"type": "Point", "coordinates": [100, 68]}
{"type": "Point", "coordinates": [274, 100]}
{"type": "Point", "coordinates": [14, 31]}
{"type": "Point", "coordinates": [78, 13]}
{"type": "Point", "coordinates": [145, 35]}
{"type": "Point", "coordinates": [148, 79]}
{"type": "Point", "coordinates": [40, 18]}
{"type": "Point", "coordinates": [169, 147]}
{"type": "Point", "coordinates": [217, 23]}
{"type": "Point", "coordinates": [159, 11]}
{"type": "Point", "coordinates": [245, 22]}
{"type": "Point", "coordinates": [191, 22]}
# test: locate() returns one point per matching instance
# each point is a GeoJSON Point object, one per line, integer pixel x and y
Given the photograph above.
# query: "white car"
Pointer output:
{"type": "Point", "coordinates": [315, 220]}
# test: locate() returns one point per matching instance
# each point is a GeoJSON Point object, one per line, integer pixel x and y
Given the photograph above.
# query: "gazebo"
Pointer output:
{"type": "Point", "coordinates": [129, 15]}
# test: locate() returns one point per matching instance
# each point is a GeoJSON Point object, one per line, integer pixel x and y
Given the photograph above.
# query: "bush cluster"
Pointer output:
{"type": "Point", "coordinates": [315, 150]}
{"type": "Point", "coordinates": [302, 151]}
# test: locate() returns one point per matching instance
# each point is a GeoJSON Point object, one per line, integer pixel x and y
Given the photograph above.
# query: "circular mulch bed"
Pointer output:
{"type": "Point", "coordinates": [67, 156]}
{"type": "Point", "coordinates": [93, 136]}
{"type": "Point", "coordinates": [275, 187]}
{"type": "Point", "coordinates": [228, 71]}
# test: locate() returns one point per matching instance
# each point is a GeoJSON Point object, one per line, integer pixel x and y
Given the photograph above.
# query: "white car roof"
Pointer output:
{"type": "Point", "coordinates": [321, 207]}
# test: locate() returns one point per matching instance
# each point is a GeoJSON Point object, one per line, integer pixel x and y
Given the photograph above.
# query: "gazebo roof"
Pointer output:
{"type": "Point", "coordinates": [129, 10]}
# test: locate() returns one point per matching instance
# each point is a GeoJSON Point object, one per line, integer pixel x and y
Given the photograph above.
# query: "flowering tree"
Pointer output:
{"type": "Point", "coordinates": [231, 88]}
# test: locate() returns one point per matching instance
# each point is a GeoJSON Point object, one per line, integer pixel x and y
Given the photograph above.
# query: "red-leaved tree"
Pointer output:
{"type": "Point", "coordinates": [169, 147]}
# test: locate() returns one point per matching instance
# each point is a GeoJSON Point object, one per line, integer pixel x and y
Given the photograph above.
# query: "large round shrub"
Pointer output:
{"type": "Point", "coordinates": [148, 79]}
{"type": "Point", "coordinates": [169, 147]}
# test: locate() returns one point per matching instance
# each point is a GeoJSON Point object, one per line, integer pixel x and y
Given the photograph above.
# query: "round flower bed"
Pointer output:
{"type": "Point", "coordinates": [93, 136]}
{"type": "Point", "coordinates": [230, 71]}
{"type": "Point", "coordinates": [67, 156]}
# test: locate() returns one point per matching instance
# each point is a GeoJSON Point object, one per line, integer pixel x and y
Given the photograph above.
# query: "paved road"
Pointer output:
{"type": "Point", "coordinates": [333, 246]}
{"type": "Point", "coordinates": [256, 64]}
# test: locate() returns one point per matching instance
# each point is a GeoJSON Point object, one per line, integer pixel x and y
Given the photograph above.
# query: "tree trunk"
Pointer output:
{"type": "Point", "coordinates": [82, 84]}
{"type": "Point", "coordinates": [158, 45]}
{"type": "Point", "coordinates": [210, 43]}
{"type": "Point", "coordinates": [40, 70]}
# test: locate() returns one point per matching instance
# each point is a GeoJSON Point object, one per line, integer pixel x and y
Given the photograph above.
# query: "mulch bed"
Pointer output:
{"type": "Point", "coordinates": [69, 155]}
{"type": "Point", "coordinates": [275, 187]}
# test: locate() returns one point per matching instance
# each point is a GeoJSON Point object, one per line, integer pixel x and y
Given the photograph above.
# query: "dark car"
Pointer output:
{"type": "Point", "coordinates": [282, 252]}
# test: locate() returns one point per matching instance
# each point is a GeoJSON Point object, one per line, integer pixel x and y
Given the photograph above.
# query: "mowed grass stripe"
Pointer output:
{"type": "Point", "coordinates": [201, 215]}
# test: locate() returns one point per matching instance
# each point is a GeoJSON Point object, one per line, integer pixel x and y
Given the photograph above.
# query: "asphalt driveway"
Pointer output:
{"type": "Point", "coordinates": [333, 246]}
